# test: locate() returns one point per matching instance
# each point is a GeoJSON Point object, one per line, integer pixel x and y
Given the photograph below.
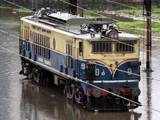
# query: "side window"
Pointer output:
{"type": "Point", "coordinates": [69, 59]}
{"type": "Point", "coordinates": [26, 32]}
{"type": "Point", "coordinates": [80, 48]}
{"type": "Point", "coordinates": [54, 44]}
{"type": "Point", "coordinates": [69, 49]}
{"type": "Point", "coordinates": [43, 44]}
{"type": "Point", "coordinates": [125, 47]}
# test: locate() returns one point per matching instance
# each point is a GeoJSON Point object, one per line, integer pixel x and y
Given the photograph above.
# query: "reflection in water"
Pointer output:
{"type": "Point", "coordinates": [149, 83]}
{"type": "Point", "coordinates": [47, 104]}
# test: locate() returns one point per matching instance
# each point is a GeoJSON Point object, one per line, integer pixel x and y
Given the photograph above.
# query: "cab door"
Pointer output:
{"type": "Point", "coordinates": [90, 72]}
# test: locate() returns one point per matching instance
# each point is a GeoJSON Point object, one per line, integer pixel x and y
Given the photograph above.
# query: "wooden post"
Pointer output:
{"type": "Point", "coordinates": [148, 8]}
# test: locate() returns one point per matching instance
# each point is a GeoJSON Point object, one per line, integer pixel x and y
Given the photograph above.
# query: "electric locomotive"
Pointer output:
{"type": "Point", "coordinates": [70, 51]}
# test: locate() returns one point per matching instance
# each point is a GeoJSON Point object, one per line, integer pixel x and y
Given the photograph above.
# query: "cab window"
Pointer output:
{"type": "Point", "coordinates": [125, 47]}
{"type": "Point", "coordinates": [100, 46]}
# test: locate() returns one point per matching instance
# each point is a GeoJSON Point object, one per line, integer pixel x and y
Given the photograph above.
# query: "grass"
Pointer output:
{"type": "Point", "coordinates": [91, 13]}
{"type": "Point", "coordinates": [4, 7]}
{"type": "Point", "coordinates": [19, 10]}
{"type": "Point", "coordinates": [137, 27]}
{"type": "Point", "coordinates": [137, 10]}
{"type": "Point", "coordinates": [23, 10]}
{"type": "Point", "coordinates": [156, 27]}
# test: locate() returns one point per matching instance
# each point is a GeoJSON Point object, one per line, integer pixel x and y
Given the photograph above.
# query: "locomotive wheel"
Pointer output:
{"type": "Point", "coordinates": [81, 99]}
{"type": "Point", "coordinates": [69, 91]}
{"type": "Point", "coordinates": [36, 76]}
{"type": "Point", "coordinates": [119, 102]}
{"type": "Point", "coordinates": [72, 92]}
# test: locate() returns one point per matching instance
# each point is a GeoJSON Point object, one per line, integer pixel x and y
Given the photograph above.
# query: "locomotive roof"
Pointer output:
{"type": "Point", "coordinates": [70, 25]}
{"type": "Point", "coordinates": [127, 36]}
{"type": "Point", "coordinates": [64, 16]}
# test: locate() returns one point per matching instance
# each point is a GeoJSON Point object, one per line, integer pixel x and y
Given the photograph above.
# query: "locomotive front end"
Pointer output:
{"type": "Point", "coordinates": [113, 66]}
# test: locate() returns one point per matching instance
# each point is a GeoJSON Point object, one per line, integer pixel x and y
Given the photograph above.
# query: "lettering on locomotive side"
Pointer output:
{"type": "Point", "coordinates": [41, 29]}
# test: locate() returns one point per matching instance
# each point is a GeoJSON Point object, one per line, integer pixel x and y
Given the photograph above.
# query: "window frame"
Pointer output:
{"type": "Point", "coordinates": [126, 46]}
{"type": "Point", "coordinates": [102, 46]}
{"type": "Point", "coordinates": [43, 44]}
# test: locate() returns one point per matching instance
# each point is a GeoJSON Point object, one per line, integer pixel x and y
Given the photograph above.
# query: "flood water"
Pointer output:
{"type": "Point", "coordinates": [21, 100]}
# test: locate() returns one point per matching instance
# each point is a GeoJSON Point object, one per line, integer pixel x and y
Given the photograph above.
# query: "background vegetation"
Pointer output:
{"type": "Point", "coordinates": [98, 6]}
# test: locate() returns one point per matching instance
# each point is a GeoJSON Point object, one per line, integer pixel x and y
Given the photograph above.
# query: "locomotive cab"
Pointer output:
{"type": "Point", "coordinates": [111, 48]}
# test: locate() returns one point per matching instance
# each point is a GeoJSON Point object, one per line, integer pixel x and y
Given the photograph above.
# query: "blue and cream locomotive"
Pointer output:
{"type": "Point", "coordinates": [65, 50]}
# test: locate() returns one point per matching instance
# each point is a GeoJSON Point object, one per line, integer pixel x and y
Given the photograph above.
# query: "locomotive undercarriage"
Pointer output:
{"type": "Point", "coordinates": [73, 90]}
{"type": "Point", "coordinates": [74, 93]}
